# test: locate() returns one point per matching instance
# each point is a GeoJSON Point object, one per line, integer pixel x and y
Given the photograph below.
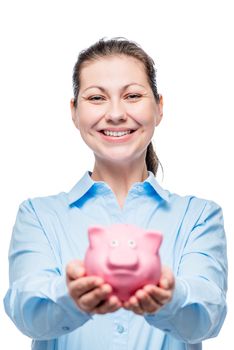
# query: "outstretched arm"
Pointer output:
{"type": "Point", "coordinates": [192, 306]}
{"type": "Point", "coordinates": [38, 301]}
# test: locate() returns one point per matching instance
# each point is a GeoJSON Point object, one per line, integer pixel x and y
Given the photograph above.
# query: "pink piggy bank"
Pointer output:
{"type": "Point", "coordinates": [125, 256]}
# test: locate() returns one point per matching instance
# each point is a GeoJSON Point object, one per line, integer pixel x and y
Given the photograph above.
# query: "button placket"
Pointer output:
{"type": "Point", "coordinates": [121, 326]}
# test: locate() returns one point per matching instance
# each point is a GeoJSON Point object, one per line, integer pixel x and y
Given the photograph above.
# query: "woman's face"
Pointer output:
{"type": "Point", "coordinates": [115, 96]}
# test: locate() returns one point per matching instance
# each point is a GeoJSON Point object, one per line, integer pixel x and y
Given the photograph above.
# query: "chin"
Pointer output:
{"type": "Point", "coordinates": [121, 157]}
{"type": "Point", "coordinates": [120, 160]}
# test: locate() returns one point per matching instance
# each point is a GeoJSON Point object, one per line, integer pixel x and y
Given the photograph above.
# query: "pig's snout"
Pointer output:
{"type": "Point", "coordinates": [122, 259]}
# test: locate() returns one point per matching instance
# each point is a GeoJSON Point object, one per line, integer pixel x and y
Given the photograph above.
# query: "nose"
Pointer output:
{"type": "Point", "coordinates": [124, 259]}
{"type": "Point", "coordinates": [115, 112]}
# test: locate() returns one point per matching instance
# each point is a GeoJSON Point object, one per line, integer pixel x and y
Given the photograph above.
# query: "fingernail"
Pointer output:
{"type": "Point", "coordinates": [98, 281]}
{"type": "Point", "coordinates": [79, 271]}
{"type": "Point", "coordinates": [165, 283]}
{"type": "Point", "coordinates": [107, 288]}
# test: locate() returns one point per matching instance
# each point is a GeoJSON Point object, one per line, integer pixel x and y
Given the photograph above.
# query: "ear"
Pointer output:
{"type": "Point", "coordinates": [159, 111]}
{"type": "Point", "coordinates": [153, 240]}
{"type": "Point", "coordinates": [74, 113]}
{"type": "Point", "coordinates": [95, 233]}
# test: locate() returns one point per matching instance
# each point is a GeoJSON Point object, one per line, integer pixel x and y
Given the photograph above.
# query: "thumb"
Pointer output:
{"type": "Point", "coordinates": [75, 269]}
{"type": "Point", "coordinates": [167, 280]}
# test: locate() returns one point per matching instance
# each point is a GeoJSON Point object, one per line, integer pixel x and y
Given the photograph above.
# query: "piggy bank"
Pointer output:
{"type": "Point", "coordinates": [125, 256]}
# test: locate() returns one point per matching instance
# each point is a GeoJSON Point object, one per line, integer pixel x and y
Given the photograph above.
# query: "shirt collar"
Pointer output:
{"type": "Point", "coordinates": [164, 194]}
{"type": "Point", "coordinates": [80, 188]}
{"type": "Point", "coordinates": [86, 183]}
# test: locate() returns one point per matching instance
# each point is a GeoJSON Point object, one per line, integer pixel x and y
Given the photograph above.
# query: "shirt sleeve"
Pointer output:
{"type": "Point", "coordinates": [198, 307]}
{"type": "Point", "coordinates": [37, 300]}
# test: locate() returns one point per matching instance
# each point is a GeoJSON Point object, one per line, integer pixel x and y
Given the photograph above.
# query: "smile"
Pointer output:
{"type": "Point", "coordinates": [116, 133]}
{"type": "Point", "coordinates": [116, 136]}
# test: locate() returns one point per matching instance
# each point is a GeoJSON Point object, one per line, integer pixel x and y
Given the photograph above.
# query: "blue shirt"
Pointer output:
{"type": "Point", "coordinates": [51, 231]}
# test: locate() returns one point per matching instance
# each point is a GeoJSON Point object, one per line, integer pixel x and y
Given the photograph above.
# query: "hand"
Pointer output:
{"type": "Point", "coordinates": [151, 298]}
{"type": "Point", "coordinates": [90, 293]}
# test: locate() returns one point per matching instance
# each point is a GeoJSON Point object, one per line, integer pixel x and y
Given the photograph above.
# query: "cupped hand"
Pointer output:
{"type": "Point", "coordinates": [90, 293]}
{"type": "Point", "coordinates": [151, 298]}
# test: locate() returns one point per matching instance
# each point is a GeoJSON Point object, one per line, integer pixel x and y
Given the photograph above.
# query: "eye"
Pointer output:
{"type": "Point", "coordinates": [133, 96]}
{"type": "Point", "coordinates": [114, 243]}
{"type": "Point", "coordinates": [131, 243]}
{"type": "Point", "coordinates": [96, 98]}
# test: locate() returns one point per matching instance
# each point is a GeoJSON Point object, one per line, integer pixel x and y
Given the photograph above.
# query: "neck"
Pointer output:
{"type": "Point", "coordinates": [120, 178]}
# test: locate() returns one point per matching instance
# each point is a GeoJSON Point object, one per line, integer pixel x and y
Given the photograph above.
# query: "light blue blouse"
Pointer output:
{"type": "Point", "coordinates": [51, 231]}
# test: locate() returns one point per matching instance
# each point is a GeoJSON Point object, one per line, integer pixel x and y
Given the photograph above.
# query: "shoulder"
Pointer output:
{"type": "Point", "coordinates": [194, 207]}
{"type": "Point", "coordinates": [174, 201]}
{"type": "Point", "coordinates": [46, 204]}
{"type": "Point", "coordinates": [191, 199]}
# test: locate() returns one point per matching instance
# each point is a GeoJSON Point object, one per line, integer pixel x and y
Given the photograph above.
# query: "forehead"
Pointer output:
{"type": "Point", "coordinates": [113, 68]}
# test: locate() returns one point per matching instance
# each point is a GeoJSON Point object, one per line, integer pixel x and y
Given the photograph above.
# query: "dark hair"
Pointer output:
{"type": "Point", "coordinates": [117, 46]}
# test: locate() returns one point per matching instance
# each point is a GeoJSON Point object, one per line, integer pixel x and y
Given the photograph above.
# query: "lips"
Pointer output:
{"type": "Point", "coordinates": [116, 130]}
{"type": "Point", "coordinates": [116, 135]}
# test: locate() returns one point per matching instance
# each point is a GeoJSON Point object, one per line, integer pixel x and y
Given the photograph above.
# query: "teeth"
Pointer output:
{"type": "Point", "coordinates": [116, 133]}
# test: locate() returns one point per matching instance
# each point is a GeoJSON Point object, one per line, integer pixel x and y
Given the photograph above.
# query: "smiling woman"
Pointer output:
{"type": "Point", "coordinates": [116, 108]}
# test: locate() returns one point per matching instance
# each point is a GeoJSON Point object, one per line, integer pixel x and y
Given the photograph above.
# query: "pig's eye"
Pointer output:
{"type": "Point", "coordinates": [131, 243]}
{"type": "Point", "coordinates": [114, 243]}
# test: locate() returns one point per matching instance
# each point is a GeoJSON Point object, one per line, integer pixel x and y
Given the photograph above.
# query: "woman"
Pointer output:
{"type": "Point", "coordinates": [116, 107]}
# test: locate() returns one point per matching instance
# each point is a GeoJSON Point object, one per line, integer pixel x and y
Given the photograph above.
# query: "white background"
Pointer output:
{"type": "Point", "coordinates": [41, 151]}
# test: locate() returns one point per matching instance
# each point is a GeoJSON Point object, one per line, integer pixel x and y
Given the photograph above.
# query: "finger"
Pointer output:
{"type": "Point", "coordinates": [146, 302]}
{"type": "Point", "coordinates": [75, 269]}
{"type": "Point", "coordinates": [167, 280]}
{"type": "Point", "coordinates": [133, 305]}
{"type": "Point", "coordinates": [159, 295]}
{"type": "Point", "coordinates": [83, 285]}
{"type": "Point", "coordinates": [90, 301]}
{"type": "Point", "coordinates": [110, 305]}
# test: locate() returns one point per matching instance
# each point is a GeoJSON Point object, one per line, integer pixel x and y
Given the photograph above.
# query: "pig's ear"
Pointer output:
{"type": "Point", "coordinates": [95, 235]}
{"type": "Point", "coordinates": [153, 239]}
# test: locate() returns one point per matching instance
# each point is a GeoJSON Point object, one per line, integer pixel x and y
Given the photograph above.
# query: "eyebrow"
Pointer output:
{"type": "Point", "coordinates": [104, 90]}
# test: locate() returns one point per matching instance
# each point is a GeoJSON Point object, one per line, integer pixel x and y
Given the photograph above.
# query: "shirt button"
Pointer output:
{"type": "Point", "coordinates": [65, 328]}
{"type": "Point", "coordinates": [120, 328]}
